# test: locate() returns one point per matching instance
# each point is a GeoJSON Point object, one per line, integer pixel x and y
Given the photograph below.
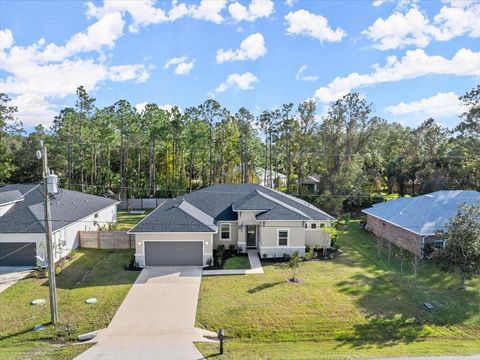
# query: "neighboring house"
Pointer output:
{"type": "Point", "coordinates": [311, 183]}
{"type": "Point", "coordinates": [411, 223]}
{"type": "Point", "coordinates": [278, 179]}
{"type": "Point", "coordinates": [22, 222]}
{"type": "Point", "coordinates": [185, 230]}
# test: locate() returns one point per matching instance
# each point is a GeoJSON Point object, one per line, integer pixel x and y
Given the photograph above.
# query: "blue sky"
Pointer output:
{"type": "Point", "coordinates": [411, 59]}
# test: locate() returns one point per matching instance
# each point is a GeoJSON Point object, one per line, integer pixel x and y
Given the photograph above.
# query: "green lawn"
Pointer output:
{"type": "Point", "coordinates": [237, 262]}
{"type": "Point", "coordinates": [353, 306]}
{"type": "Point", "coordinates": [126, 221]}
{"type": "Point", "coordinates": [91, 273]}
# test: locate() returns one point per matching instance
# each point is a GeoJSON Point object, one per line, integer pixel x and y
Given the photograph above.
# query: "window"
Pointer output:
{"type": "Point", "coordinates": [282, 237]}
{"type": "Point", "coordinates": [439, 244]}
{"type": "Point", "coordinates": [322, 225]}
{"type": "Point", "coordinates": [313, 225]}
{"type": "Point", "coordinates": [225, 232]}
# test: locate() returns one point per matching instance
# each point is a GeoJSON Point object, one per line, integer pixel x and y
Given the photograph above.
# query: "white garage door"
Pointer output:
{"type": "Point", "coordinates": [173, 253]}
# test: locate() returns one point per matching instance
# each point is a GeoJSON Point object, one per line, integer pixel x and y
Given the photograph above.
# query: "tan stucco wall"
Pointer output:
{"type": "Point", "coordinates": [245, 218]}
{"type": "Point", "coordinates": [205, 237]}
{"type": "Point", "coordinates": [233, 236]}
{"type": "Point", "coordinates": [317, 238]}
{"type": "Point", "coordinates": [269, 238]}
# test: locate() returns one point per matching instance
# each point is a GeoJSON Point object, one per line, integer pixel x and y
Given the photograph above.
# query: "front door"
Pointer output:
{"type": "Point", "coordinates": [251, 236]}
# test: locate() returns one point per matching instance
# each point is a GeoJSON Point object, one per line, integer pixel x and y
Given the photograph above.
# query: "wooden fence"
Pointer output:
{"type": "Point", "coordinates": [106, 240]}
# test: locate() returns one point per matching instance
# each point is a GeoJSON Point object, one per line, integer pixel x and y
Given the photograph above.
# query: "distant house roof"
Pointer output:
{"type": "Point", "coordinates": [425, 214]}
{"type": "Point", "coordinates": [311, 180]}
{"type": "Point", "coordinates": [201, 210]}
{"type": "Point", "coordinates": [27, 216]}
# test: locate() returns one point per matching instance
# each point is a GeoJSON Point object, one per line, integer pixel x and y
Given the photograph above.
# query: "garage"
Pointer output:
{"type": "Point", "coordinates": [17, 254]}
{"type": "Point", "coordinates": [173, 253]}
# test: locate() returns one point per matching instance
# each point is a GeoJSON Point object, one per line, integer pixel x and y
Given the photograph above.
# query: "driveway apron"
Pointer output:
{"type": "Point", "coordinates": [156, 319]}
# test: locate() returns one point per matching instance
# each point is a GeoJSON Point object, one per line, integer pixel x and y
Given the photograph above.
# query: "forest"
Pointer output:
{"type": "Point", "coordinates": [358, 157]}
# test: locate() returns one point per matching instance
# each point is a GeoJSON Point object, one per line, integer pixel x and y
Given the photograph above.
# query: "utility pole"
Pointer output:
{"type": "Point", "coordinates": [49, 236]}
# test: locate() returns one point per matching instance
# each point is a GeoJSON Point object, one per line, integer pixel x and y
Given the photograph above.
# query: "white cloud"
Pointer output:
{"type": "Point", "coordinates": [299, 75]}
{"type": "Point", "coordinates": [441, 105]}
{"type": "Point", "coordinates": [378, 2]}
{"type": "Point", "coordinates": [243, 81]}
{"type": "Point", "coordinates": [303, 22]}
{"type": "Point", "coordinates": [256, 9]}
{"type": "Point", "coordinates": [182, 65]}
{"type": "Point", "coordinates": [400, 30]}
{"type": "Point", "coordinates": [414, 28]}
{"type": "Point", "coordinates": [40, 74]}
{"type": "Point", "coordinates": [414, 64]}
{"type": "Point", "coordinates": [251, 48]}
{"type": "Point", "coordinates": [34, 109]}
{"type": "Point", "coordinates": [290, 3]}
{"type": "Point", "coordinates": [208, 10]}
{"type": "Point", "coordinates": [6, 39]}
{"type": "Point", "coordinates": [142, 12]}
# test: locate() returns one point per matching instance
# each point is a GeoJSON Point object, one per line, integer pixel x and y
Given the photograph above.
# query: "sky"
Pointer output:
{"type": "Point", "coordinates": [411, 59]}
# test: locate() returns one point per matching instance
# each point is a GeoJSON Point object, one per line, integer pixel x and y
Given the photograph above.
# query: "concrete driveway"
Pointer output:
{"type": "Point", "coordinates": [9, 275]}
{"type": "Point", "coordinates": [156, 319]}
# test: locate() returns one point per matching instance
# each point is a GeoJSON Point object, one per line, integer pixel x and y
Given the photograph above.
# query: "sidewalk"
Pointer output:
{"type": "Point", "coordinates": [255, 267]}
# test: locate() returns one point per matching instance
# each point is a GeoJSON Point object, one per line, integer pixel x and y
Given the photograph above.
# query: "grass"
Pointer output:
{"type": "Point", "coordinates": [125, 220]}
{"type": "Point", "coordinates": [354, 306]}
{"type": "Point", "coordinates": [237, 262]}
{"type": "Point", "coordinates": [90, 273]}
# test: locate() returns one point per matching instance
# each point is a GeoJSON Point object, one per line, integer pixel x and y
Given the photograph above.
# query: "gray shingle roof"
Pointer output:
{"type": "Point", "coordinates": [67, 206]}
{"type": "Point", "coordinates": [425, 214]}
{"type": "Point", "coordinates": [219, 202]}
{"type": "Point", "coordinates": [10, 196]}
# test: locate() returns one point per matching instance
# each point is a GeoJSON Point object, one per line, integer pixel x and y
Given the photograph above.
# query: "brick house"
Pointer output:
{"type": "Point", "coordinates": [411, 223]}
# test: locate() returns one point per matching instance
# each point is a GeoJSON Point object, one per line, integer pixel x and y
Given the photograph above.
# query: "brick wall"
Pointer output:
{"type": "Point", "coordinates": [400, 237]}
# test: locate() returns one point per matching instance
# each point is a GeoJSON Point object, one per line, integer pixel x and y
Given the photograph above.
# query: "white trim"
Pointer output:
{"type": "Point", "coordinates": [229, 232]}
{"type": "Point", "coordinates": [254, 211]}
{"type": "Point", "coordinates": [282, 247]}
{"type": "Point", "coordinates": [172, 232]}
{"type": "Point", "coordinates": [278, 238]}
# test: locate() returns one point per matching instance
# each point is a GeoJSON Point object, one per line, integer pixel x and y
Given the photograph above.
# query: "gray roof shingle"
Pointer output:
{"type": "Point", "coordinates": [425, 214]}
{"type": "Point", "coordinates": [218, 202]}
{"type": "Point", "coordinates": [67, 206]}
{"type": "Point", "coordinates": [10, 196]}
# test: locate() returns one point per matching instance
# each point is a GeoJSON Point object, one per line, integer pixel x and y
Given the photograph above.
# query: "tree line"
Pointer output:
{"type": "Point", "coordinates": [357, 157]}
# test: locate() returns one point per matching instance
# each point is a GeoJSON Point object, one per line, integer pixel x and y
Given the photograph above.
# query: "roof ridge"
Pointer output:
{"type": "Point", "coordinates": [281, 203]}
{"type": "Point", "coordinates": [197, 214]}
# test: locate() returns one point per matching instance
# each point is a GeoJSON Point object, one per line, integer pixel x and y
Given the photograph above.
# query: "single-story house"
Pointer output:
{"type": "Point", "coordinates": [185, 230]}
{"type": "Point", "coordinates": [22, 222]}
{"type": "Point", "coordinates": [411, 223]}
{"type": "Point", "coordinates": [311, 182]}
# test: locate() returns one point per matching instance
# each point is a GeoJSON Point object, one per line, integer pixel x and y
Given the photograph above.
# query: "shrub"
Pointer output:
{"type": "Point", "coordinates": [220, 254]}
{"type": "Point", "coordinates": [209, 261]}
{"type": "Point", "coordinates": [286, 257]}
{"type": "Point", "coordinates": [294, 263]}
{"type": "Point", "coordinates": [232, 249]}
{"type": "Point", "coordinates": [307, 248]}
{"type": "Point", "coordinates": [132, 265]}
{"type": "Point", "coordinates": [308, 255]}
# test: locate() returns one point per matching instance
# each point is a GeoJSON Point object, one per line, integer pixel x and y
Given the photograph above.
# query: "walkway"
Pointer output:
{"type": "Point", "coordinates": [255, 267]}
{"type": "Point", "coordinates": [156, 319]}
{"type": "Point", "coordinates": [10, 275]}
